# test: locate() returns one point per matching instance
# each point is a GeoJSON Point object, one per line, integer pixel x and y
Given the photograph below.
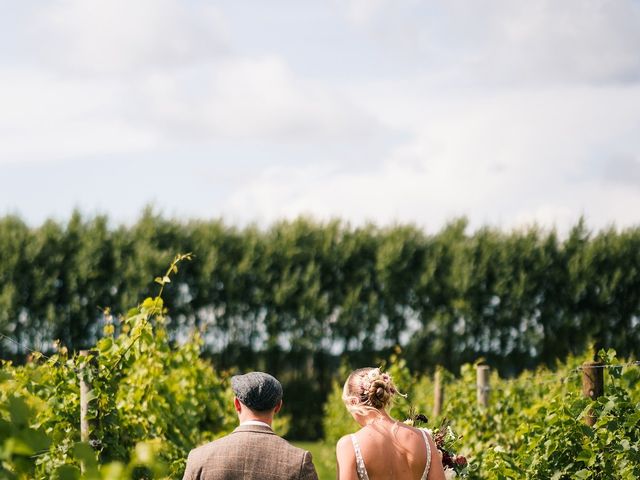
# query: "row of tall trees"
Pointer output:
{"type": "Point", "coordinates": [296, 297]}
{"type": "Point", "coordinates": [516, 298]}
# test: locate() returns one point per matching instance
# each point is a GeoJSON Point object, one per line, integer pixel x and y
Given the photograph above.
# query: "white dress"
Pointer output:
{"type": "Point", "coordinates": [362, 470]}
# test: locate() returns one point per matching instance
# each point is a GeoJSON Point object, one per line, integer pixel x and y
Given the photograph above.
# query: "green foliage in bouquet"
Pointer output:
{"type": "Point", "coordinates": [150, 403]}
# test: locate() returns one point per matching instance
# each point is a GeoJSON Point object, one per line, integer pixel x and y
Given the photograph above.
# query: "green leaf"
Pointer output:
{"type": "Point", "coordinates": [113, 471]}
{"type": "Point", "coordinates": [37, 440]}
{"type": "Point", "coordinates": [610, 405]}
{"type": "Point", "coordinates": [146, 337]}
{"type": "Point", "coordinates": [582, 474]}
{"type": "Point", "coordinates": [144, 453]}
{"type": "Point", "coordinates": [91, 395]}
{"type": "Point", "coordinates": [149, 303]}
{"type": "Point", "coordinates": [83, 452]}
{"type": "Point", "coordinates": [66, 472]}
{"type": "Point", "coordinates": [17, 446]}
{"type": "Point", "coordinates": [586, 456]}
{"type": "Point", "coordinates": [5, 428]}
{"type": "Point", "coordinates": [104, 344]}
{"type": "Point", "coordinates": [19, 412]}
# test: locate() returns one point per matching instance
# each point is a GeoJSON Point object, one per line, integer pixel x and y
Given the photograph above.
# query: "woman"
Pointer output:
{"type": "Point", "coordinates": [383, 449]}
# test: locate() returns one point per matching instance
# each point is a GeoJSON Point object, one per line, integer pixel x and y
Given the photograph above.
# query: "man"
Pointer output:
{"type": "Point", "coordinates": [253, 450]}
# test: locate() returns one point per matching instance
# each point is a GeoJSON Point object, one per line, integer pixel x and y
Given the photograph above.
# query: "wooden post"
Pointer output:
{"type": "Point", "coordinates": [482, 384]}
{"type": "Point", "coordinates": [592, 385]}
{"type": "Point", "coordinates": [85, 389]}
{"type": "Point", "coordinates": [438, 392]}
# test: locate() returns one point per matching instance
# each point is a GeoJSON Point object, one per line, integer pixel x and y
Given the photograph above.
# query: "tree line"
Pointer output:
{"type": "Point", "coordinates": [298, 298]}
{"type": "Point", "coordinates": [516, 298]}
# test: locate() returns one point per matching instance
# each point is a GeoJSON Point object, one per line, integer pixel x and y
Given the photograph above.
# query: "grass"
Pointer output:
{"type": "Point", "coordinates": [324, 458]}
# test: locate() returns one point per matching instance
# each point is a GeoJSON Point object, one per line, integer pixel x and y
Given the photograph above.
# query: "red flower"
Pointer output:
{"type": "Point", "coordinates": [460, 460]}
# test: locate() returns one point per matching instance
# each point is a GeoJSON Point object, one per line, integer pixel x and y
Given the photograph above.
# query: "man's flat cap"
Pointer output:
{"type": "Point", "coordinates": [257, 390]}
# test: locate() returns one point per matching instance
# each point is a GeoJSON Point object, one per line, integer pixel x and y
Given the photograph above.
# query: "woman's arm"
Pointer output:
{"type": "Point", "coordinates": [436, 471]}
{"type": "Point", "coordinates": [346, 457]}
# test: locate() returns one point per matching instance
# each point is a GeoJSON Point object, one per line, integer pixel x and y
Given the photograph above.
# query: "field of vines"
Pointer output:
{"type": "Point", "coordinates": [151, 401]}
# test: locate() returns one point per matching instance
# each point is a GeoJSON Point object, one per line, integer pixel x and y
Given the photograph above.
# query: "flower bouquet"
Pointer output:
{"type": "Point", "coordinates": [446, 440]}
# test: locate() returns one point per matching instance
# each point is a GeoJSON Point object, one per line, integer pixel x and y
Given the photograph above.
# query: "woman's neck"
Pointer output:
{"type": "Point", "coordinates": [375, 417]}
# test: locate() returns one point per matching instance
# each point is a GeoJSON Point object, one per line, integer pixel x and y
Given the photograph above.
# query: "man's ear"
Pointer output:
{"type": "Point", "coordinates": [237, 404]}
{"type": "Point", "coordinates": [278, 407]}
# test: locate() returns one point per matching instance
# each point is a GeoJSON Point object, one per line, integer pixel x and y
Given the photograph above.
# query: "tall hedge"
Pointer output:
{"type": "Point", "coordinates": [296, 295]}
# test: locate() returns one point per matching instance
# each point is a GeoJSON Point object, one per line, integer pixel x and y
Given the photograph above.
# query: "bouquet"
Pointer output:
{"type": "Point", "coordinates": [446, 440]}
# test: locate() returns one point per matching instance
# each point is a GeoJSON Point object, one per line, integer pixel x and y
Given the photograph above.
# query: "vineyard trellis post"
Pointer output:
{"type": "Point", "coordinates": [592, 385]}
{"type": "Point", "coordinates": [85, 373]}
{"type": "Point", "coordinates": [438, 392]}
{"type": "Point", "coordinates": [482, 385]}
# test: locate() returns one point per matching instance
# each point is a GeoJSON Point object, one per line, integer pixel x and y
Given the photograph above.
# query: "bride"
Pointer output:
{"type": "Point", "coordinates": [383, 449]}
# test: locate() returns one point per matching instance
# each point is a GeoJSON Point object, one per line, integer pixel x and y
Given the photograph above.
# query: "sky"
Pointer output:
{"type": "Point", "coordinates": [389, 111]}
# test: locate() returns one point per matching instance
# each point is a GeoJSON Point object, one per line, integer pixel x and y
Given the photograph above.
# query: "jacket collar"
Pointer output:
{"type": "Point", "coordinates": [255, 429]}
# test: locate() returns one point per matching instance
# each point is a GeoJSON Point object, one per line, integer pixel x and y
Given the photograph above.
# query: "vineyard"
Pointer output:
{"type": "Point", "coordinates": [149, 401]}
{"type": "Point", "coordinates": [299, 298]}
{"type": "Point", "coordinates": [533, 426]}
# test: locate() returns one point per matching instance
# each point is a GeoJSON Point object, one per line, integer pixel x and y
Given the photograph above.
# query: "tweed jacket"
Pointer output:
{"type": "Point", "coordinates": [250, 452]}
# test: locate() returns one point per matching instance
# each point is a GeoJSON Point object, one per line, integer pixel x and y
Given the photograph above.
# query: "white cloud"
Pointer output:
{"type": "Point", "coordinates": [49, 118]}
{"type": "Point", "coordinates": [508, 161]}
{"type": "Point", "coordinates": [623, 169]}
{"type": "Point", "coordinates": [105, 76]}
{"type": "Point", "coordinates": [251, 98]}
{"type": "Point", "coordinates": [362, 12]}
{"type": "Point", "coordinates": [504, 42]}
{"type": "Point", "coordinates": [508, 112]}
{"type": "Point", "coordinates": [126, 36]}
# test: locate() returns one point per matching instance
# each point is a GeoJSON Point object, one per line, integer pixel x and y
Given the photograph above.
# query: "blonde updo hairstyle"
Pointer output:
{"type": "Point", "coordinates": [368, 389]}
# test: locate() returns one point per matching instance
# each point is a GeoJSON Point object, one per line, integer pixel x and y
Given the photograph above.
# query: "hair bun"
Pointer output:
{"type": "Point", "coordinates": [379, 393]}
{"type": "Point", "coordinates": [368, 388]}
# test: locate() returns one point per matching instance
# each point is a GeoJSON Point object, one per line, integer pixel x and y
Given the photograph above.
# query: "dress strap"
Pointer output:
{"type": "Point", "coordinates": [360, 468]}
{"type": "Point", "coordinates": [428, 445]}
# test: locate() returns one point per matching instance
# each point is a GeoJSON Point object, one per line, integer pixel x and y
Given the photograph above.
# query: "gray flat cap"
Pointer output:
{"type": "Point", "coordinates": [257, 390]}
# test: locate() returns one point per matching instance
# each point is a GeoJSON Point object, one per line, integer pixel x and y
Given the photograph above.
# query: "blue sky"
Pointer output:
{"type": "Point", "coordinates": [508, 112]}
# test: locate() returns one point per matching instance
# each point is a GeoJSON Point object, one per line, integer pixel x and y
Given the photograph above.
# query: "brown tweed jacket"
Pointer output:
{"type": "Point", "coordinates": [250, 452]}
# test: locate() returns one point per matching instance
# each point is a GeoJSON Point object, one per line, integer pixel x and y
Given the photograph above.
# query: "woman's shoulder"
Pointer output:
{"type": "Point", "coordinates": [409, 429]}
{"type": "Point", "coordinates": [345, 451]}
{"type": "Point", "coordinates": [344, 441]}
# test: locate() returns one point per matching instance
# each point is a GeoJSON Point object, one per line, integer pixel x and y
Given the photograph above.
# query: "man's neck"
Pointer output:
{"type": "Point", "coordinates": [255, 418]}
{"type": "Point", "coordinates": [255, 422]}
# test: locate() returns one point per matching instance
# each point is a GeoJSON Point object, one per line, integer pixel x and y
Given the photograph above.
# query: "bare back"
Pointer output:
{"type": "Point", "coordinates": [391, 451]}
